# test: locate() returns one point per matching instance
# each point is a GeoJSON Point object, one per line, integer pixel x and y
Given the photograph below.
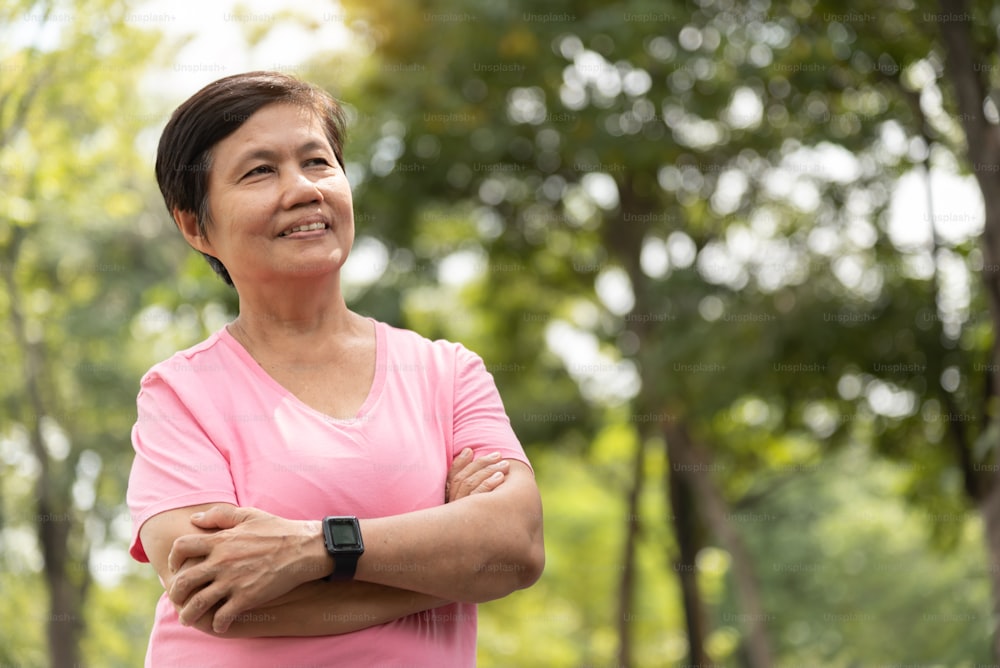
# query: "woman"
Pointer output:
{"type": "Point", "coordinates": [291, 470]}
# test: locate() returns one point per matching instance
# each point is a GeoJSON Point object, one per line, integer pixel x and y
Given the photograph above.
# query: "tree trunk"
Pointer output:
{"type": "Point", "coordinates": [625, 243]}
{"type": "Point", "coordinates": [64, 624]}
{"type": "Point", "coordinates": [697, 465]}
{"type": "Point", "coordinates": [983, 143]}
{"type": "Point", "coordinates": [53, 506]}
{"type": "Point", "coordinates": [683, 510]}
{"type": "Point", "coordinates": [626, 587]}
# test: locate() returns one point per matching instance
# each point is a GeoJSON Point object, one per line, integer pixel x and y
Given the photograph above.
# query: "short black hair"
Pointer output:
{"type": "Point", "coordinates": [184, 155]}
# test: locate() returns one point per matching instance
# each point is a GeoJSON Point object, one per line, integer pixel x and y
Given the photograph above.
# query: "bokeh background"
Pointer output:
{"type": "Point", "coordinates": [731, 264]}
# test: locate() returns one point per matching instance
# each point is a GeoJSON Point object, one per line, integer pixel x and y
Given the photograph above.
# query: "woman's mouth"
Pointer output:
{"type": "Point", "coordinates": [303, 228]}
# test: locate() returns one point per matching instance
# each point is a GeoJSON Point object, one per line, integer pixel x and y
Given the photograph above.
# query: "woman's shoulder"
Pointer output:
{"type": "Point", "coordinates": [404, 344]}
{"type": "Point", "coordinates": [206, 356]}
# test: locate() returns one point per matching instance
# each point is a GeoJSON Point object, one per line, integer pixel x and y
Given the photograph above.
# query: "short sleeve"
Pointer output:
{"type": "Point", "coordinates": [176, 464]}
{"type": "Point", "coordinates": [480, 421]}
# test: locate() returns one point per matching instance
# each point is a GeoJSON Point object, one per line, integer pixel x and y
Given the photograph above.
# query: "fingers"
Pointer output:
{"type": "Point", "coordinates": [485, 480]}
{"type": "Point", "coordinates": [456, 473]}
{"type": "Point", "coordinates": [216, 518]}
{"type": "Point", "coordinates": [186, 547]}
{"type": "Point", "coordinates": [463, 459]}
{"type": "Point", "coordinates": [219, 517]}
{"type": "Point", "coordinates": [195, 593]}
{"type": "Point", "coordinates": [225, 616]}
{"type": "Point", "coordinates": [199, 604]}
{"type": "Point", "coordinates": [474, 476]}
{"type": "Point", "coordinates": [186, 582]}
{"type": "Point", "coordinates": [492, 482]}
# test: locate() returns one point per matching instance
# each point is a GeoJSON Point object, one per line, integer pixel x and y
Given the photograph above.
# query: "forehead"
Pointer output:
{"type": "Point", "coordinates": [273, 127]}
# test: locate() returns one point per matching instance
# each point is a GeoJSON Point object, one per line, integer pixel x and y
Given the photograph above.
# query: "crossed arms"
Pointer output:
{"type": "Point", "coordinates": [241, 572]}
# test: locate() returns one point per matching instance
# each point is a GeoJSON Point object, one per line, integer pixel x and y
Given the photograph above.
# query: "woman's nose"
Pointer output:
{"type": "Point", "coordinates": [300, 189]}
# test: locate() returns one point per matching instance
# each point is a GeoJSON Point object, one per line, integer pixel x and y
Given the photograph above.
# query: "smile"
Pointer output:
{"type": "Point", "coordinates": [303, 228]}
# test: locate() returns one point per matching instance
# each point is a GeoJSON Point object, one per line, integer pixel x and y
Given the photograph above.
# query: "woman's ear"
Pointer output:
{"type": "Point", "coordinates": [187, 223]}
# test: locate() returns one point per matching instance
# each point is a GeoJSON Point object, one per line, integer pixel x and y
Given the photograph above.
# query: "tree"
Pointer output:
{"type": "Point", "coordinates": [680, 184]}
{"type": "Point", "coordinates": [73, 264]}
{"type": "Point", "coordinates": [969, 54]}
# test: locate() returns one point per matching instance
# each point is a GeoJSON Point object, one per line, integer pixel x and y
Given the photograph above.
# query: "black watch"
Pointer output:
{"type": "Point", "coordinates": [342, 536]}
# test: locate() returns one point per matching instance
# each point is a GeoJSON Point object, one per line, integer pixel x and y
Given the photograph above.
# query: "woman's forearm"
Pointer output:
{"type": "Point", "coordinates": [470, 551]}
{"type": "Point", "coordinates": [320, 608]}
{"type": "Point", "coordinates": [474, 551]}
{"type": "Point", "coordinates": [263, 571]}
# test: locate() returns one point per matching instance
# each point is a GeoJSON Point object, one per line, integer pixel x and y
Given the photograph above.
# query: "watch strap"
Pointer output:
{"type": "Point", "coordinates": [344, 567]}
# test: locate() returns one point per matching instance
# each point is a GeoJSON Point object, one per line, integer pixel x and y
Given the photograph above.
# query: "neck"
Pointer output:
{"type": "Point", "coordinates": [272, 314]}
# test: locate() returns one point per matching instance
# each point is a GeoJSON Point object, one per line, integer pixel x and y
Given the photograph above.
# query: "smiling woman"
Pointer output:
{"type": "Point", "coordinates": [312, 486]}
{"type": "Point", "coordinates": [191, 141]}
{"type": "Point", "coordinates": [274, 180]}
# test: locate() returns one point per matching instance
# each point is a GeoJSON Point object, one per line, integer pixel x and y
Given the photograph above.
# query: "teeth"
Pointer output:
{"type": "Point", "coordinates": [306, 228]}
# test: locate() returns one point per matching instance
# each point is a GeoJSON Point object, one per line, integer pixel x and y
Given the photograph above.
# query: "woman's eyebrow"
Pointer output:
{"type": "Point", "coordinates": [257, 154]}
{"type": "Point", "coordinates": [313, 146]}
{"type": "Point", "coordinates": [268, 154]}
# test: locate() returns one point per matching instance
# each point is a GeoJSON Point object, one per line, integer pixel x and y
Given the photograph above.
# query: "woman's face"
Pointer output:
{"type": "Point", "coordinates": [279, 202]}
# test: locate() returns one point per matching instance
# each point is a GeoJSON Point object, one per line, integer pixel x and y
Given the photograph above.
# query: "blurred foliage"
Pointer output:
{"type": "Point", "coordinates": [641, 214]}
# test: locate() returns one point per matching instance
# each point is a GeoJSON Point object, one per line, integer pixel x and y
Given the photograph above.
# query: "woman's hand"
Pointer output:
{"type": "Point", "coordinates": [251, 557]}
{"type": "Point", "coordinates": [469, 476]}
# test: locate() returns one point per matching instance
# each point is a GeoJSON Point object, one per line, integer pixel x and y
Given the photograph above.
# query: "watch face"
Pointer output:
{"type": "Point", "coordinates": [343, 535]}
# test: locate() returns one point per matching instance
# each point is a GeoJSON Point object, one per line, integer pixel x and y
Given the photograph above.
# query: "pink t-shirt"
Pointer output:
{"type": "Point", "coordinates": [214, 427]}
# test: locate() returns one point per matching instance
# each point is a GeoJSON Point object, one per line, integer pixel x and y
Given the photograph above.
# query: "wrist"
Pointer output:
{"type": "Point", "coordinates": [343, 542]}
{"type": "Point", "coordinates": [319, 563]}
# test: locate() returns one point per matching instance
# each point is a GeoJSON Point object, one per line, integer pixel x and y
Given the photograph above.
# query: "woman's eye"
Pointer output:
{"type": "Point", "coordinates": [260, 169]}
{"type": "Point", "coordinates": [318, 161]}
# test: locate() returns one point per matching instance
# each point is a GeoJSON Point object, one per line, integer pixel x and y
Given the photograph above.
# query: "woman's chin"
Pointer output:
{"type": "Point", "coordinates": [317, 265]}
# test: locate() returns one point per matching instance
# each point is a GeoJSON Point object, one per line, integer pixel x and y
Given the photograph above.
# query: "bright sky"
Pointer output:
{"type": "Point", "coordinates": [218, 48]}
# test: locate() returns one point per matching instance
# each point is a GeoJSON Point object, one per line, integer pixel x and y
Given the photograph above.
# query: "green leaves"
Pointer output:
{"type": "Point", "coordinates": [760, 134]}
